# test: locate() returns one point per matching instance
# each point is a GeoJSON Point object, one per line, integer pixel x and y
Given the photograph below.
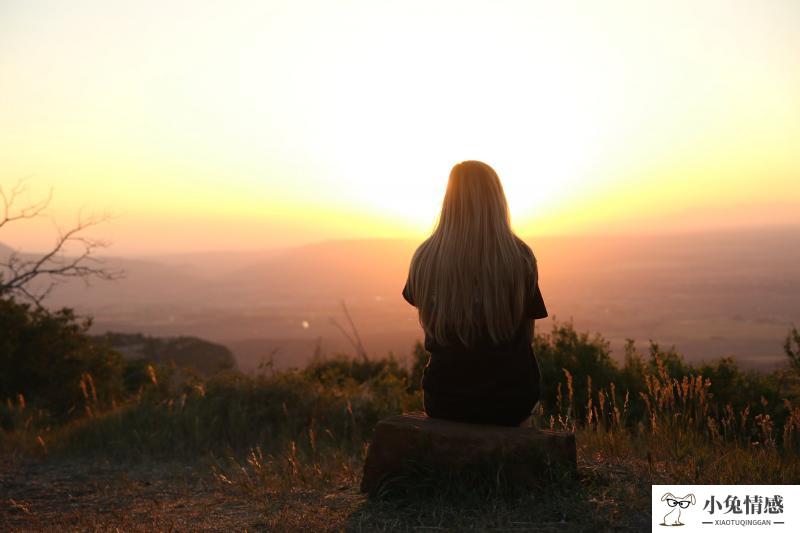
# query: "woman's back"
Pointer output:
{"type": "Point", "coordinates": [487, 383]}
{"type": "Point", "coordinates": [482, 367]}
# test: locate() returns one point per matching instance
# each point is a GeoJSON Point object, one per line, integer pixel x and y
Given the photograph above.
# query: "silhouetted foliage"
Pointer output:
{"type": "Point", "coordinates": [673, 362]}
{"type": "Point", "coordinates": [791, 348]}
{"type": "Point", "coordinates": [564, 352]}
{"type": "Point", "coordinates": [50, 362]}
{"type": "Point", "coordinates": [341, 368]}
{"type": "Point", "coordinates": [48, 358]}
{"type": "Point", "coordinates": [582, 356]}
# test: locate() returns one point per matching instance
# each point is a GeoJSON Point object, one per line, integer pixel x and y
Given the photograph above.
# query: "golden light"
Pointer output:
{"type": "Point", "coordinates": [285, 122]}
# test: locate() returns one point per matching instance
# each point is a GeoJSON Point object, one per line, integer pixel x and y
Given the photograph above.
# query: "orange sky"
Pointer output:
{"type": "Point", "coordinates": [243, 125]}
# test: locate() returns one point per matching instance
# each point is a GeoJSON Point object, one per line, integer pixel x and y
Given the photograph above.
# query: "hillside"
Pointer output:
{"type": "Point", "coordinates": [720, 293]}
{"type": "Point", "coordinates": [204, 357]}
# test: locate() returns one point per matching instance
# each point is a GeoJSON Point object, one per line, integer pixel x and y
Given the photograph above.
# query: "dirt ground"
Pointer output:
{"type": "Point", "coordinates": [101, 496]}
{"type": "Point", "coordinates": [72, 494]}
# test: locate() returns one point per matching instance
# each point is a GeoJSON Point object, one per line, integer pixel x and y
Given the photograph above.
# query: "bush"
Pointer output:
{"type": "Point", "coordinates": [585, 359]}
{"type": "Point", "coordinates": [340, 368]}
{"type": "Point", "coordinates": [48, 358]}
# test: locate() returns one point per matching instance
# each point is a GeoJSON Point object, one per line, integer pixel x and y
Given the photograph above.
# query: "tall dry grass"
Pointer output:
{"type": "Point", "coordinates": [303, 422]}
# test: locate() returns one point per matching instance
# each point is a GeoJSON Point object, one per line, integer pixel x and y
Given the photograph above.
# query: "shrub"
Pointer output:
{"type": "Point", "coordinates": [48, 358]}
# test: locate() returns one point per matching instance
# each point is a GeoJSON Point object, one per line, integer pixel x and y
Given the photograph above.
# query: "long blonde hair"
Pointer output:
{"type": "Point", "coordinates": [473, 271]}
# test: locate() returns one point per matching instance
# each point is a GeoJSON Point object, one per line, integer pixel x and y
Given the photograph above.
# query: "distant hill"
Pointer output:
{"type": "Point", "coordinates": [711, 294]}
{"type": "Point", "coordinates": [205, 357]}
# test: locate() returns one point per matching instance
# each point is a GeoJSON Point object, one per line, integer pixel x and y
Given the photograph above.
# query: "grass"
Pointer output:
{"type": "Point", "coordinates": [284, 451]}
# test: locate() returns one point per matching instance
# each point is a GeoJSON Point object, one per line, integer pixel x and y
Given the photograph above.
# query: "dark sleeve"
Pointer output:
{"type": "Point", "coordinates": [534, 303]}
{"type": "Point", "coordinates": [536, 307]}
{"type": "Point", "coordinates": [407, 294]}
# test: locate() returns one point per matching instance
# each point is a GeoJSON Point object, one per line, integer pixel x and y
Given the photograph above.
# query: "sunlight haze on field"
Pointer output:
{"type": "Point", "coordinates": [248, 125]}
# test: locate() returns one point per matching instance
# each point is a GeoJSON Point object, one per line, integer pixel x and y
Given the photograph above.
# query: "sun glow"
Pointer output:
{"type": "Point", "coordinates": [285, 122]}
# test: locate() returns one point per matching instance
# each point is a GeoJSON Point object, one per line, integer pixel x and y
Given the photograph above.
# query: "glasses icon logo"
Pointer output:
{"type": "Point", "coordinates": [675, 504]}
{"type": "Point", "coordinates": [672, 503]}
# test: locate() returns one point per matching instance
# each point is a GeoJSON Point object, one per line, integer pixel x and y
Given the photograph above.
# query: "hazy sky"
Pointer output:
{"type": "Point", "coordinates": [231, 125]}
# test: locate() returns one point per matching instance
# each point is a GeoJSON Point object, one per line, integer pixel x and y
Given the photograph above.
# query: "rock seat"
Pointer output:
{"type": "Point", "coordinates": [402, 443]}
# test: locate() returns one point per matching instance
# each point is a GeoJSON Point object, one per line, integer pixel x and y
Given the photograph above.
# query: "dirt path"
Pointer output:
{"type": "Point", "coordinates": [88, 496]}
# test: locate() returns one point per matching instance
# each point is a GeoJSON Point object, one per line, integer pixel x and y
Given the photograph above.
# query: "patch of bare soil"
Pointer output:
{"type": "Point", "coordinates": [87, 495]}
{"type": "Point", "coordinates": [73, 494]}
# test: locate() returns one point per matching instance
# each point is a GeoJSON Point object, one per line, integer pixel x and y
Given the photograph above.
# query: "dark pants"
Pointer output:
{"type": "Point", "coordinates": [503, 412]}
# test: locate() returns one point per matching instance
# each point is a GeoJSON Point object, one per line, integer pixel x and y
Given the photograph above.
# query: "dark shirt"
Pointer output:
{"type": "Point", "coordinates": [487, 383]}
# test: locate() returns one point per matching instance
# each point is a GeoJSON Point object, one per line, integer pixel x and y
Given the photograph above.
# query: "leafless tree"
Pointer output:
{"type": "Point", "coordinates": [18, 271]}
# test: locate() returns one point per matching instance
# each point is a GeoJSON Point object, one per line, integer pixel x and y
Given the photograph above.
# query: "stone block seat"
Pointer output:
{"type": "Point", "coordinates": [403, 442]}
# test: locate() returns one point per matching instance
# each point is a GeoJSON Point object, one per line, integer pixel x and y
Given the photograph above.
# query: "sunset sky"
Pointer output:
{"type": "Point", "coordinates": [243, 125]}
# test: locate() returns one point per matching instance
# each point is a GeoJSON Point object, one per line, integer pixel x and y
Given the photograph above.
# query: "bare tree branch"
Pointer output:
{"type": "Point", "coordinates": [30, 211]}
{"type": "Point", "coordinates": [356, 339]}
{"type": "Point", "coordinates": [18, 272]}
